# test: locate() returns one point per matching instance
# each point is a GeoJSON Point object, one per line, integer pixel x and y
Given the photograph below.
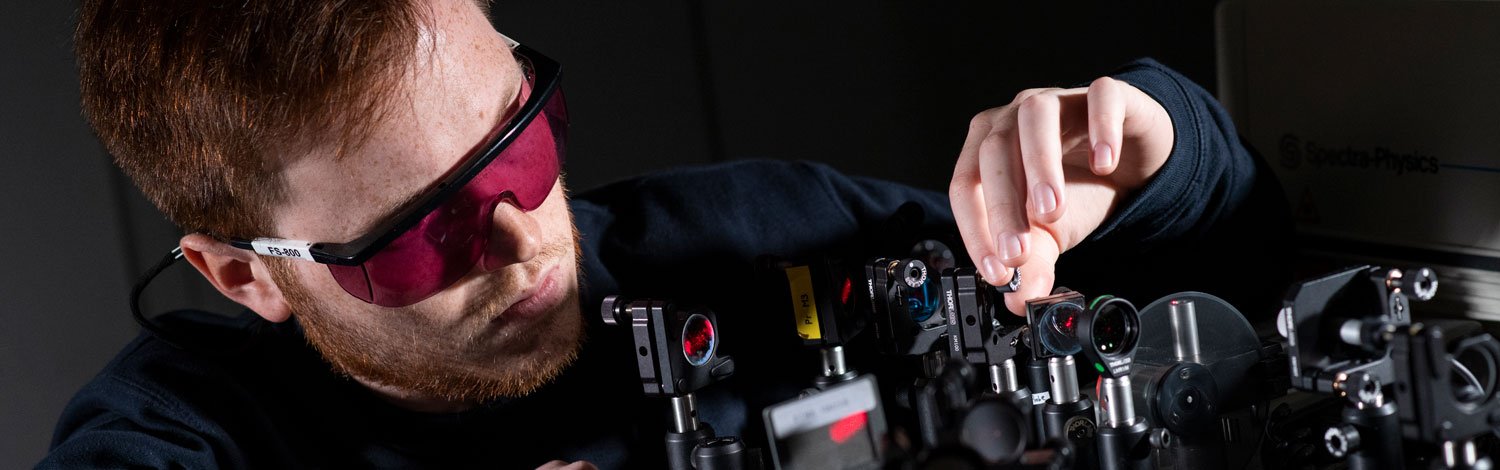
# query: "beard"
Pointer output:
{"type": "Point", "coordinates": [474, 360]}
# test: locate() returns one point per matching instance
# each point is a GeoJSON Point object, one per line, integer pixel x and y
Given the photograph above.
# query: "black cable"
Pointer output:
{"type": "Point", "coordinates": [140, 286]}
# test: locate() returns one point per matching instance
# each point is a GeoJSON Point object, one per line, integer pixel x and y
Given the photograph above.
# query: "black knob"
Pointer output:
{"type": "Point", "coordinates": [720, 453]}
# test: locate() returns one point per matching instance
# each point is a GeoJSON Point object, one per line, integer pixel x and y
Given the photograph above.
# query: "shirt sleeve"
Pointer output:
{"type": "Point", "coordinates": [1207, 175]}
{"type": "Point", "coordinates": [1213, 219]}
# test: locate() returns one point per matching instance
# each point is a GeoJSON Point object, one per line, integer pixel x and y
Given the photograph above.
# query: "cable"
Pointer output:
{"type": "Point", "coordinates": [140, 286]}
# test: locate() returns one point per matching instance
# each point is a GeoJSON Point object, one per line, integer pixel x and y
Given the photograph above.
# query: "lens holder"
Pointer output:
{"type": "Point", "coordinates": [905, 305]}
{"type": "Point", "coordinates": [676, 348]}
{"type": "Point", "coordinates": [1053, 324]}
{"type": "Point", "coordinates": [1108, 332]}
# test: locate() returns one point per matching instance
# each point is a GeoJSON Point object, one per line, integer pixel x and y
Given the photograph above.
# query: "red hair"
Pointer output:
{"type": "Point", "coordinates": [199, 100]}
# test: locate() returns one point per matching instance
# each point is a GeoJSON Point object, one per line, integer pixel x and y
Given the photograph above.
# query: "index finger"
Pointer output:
{"type": "Point", "coordinates": [967, 201]}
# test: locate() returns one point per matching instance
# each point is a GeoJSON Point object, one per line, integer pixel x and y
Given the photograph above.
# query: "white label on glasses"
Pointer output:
{"type": "Point", "coordinates": [282, 247]}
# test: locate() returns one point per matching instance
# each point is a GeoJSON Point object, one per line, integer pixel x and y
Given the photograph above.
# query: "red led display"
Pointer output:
{"type": "Point", "coordinates": [847, 427]}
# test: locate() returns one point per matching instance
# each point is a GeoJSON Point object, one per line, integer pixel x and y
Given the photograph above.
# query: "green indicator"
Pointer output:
{"type": "Point", "coordinates": [1099, 366]}
{"type": "Point", "coordinates": [1098, 299]}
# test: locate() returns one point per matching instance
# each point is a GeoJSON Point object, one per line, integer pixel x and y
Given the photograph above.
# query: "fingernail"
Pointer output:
{"type": "Point", "coordinates": [1010, 246]}
{"type": "Point", "coordinates": [1045, 198]}
{"type": "Point", "coordinates": [1103, 156]}
{"type": "Point", "coordinates": [992, 268]}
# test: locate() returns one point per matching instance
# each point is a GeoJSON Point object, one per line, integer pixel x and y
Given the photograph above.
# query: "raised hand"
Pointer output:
{"type": "Point", "coordinates": [1037, 176]}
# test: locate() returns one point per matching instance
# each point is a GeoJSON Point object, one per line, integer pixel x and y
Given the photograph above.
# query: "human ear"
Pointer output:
{"type": "Point", "coordinates": [238, 274]}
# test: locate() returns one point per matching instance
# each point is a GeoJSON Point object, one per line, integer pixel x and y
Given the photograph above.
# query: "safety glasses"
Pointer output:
{"type": "Point", "coordinates": [436, 239]}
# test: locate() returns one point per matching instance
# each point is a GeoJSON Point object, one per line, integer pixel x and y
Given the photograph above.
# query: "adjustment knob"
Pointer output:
{"type": "Point", "coordinates": [610, 309]}
{"type": "Point", "coordinates": [1341, 440]}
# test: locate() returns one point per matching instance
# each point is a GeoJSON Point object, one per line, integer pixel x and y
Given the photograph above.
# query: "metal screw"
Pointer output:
{"type": "Point", "coordinates": [1161, 438]}
{"type": "Point", "coordinates": [1341, 440]}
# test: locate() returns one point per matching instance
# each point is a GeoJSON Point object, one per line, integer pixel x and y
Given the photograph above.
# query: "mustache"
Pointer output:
{"type": "Point", "coordinates": [506, 284]}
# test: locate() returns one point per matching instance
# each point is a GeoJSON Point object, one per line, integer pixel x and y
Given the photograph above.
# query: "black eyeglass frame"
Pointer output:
{"type": "Point", "coordinates": [547, 81]}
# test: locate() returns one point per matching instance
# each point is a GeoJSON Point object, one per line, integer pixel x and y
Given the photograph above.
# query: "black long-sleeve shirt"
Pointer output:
{"type": "Point", "coordinates": [260, 397]}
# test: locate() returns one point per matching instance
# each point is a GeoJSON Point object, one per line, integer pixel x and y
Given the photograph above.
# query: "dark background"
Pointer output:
{"type": "Point", "coordinates": [883, 89]}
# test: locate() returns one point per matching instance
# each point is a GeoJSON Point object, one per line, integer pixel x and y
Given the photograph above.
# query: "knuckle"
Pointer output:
{"type": "Point", "coordinates": [982, 120]}
{"type": "Point", "coordinates": [1101, 83]}
{"type": "Point", "coordinates": [1023, 94]}
{"type": "Point", "coordinates": [1037, 103]}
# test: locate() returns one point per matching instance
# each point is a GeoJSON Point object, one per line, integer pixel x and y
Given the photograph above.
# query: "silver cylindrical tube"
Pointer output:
{"type": "Point", "coordinates": [684, 414]}
{"type": "Point", "coordinates": [1064, 379]}
{"type": "Point", "coordinates": [1007, 376]}
{"type": "Point", "coordinates": [833, 362]}
{"type": "Point", "coordinates": [1118, 406]}
{"type": "Point", "coordinates": [1185, 330]}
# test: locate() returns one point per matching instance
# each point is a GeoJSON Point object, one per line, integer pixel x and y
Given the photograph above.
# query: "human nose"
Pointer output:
{"type": "Point", "coordinates": [515, 238]}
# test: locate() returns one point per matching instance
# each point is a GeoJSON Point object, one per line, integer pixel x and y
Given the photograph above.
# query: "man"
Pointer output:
{"type": "Point", "coordinates": [378, 183]}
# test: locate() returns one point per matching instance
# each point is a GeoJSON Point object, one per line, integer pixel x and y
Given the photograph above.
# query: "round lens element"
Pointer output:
{"type": "Point", "coordinates": [1059, 328]}
{"type": "Point", "coordinates": [921, 305]}
{"type": "Point", "coordinates": [698, 340]}
{"type": "Point", "coordinates": [1113, 330]}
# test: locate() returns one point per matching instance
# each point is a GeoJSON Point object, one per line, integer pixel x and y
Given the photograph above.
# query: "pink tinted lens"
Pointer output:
{"type": "Point", "coordinates": [445, 245]}
{"type": "Point", "coordinates": [527, 169]}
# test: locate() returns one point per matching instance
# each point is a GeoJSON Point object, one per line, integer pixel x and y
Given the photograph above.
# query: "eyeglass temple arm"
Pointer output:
{"type": "Point", "coordinates": [140, 286]}
{"type": "Point", "coordinates": [279, 247]}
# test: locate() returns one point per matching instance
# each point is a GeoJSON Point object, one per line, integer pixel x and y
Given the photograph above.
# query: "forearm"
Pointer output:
{"type": "Point", "coordinates": [1212, 219]}
{"type": "Point", "coordinates": [1207, 176]}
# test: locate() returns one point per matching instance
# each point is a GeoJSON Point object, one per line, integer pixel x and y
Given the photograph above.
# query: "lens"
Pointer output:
{"type": "Point", "coordinates": [1059, 325]}
{"type": "Point", "coordinates": [995, 430]}
{"type": "Point", "coordinates": [527, 168]}
{"type": "Point", "coordinates": [921, 304]}
{"type": "Point", "coordinates": [698, 340]}
{"type": "Point", "coordinates": [422, 261]}
{"type": "Point", "coordinates": [1113, 329]}
{"type": "Point", "coordinates": [444, 246]}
